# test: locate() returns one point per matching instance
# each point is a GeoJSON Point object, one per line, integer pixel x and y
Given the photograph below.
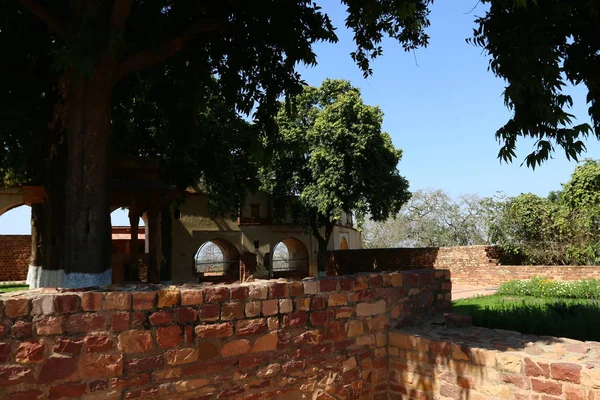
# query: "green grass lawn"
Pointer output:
{"type": "Point", "coordinates": [572, 318]}
{"type": "Point", "coordinates": [12, 288]}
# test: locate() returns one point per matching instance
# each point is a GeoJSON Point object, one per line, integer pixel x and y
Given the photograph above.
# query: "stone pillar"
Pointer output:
{"type": "Point", "coordinates": [154, 253]}
{"type": "Point", "coordinates": [132, 273]}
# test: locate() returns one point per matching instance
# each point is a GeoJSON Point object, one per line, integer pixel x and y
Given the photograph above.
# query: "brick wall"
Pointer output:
{"type": "Point", "coordinates": [435, 362]}
{"type": "Point", "coordinates": [324, 337]}
{"type": "Point", "coordinates": [468, 265]}
{"type": "Point", "coordinates": [14, 257]}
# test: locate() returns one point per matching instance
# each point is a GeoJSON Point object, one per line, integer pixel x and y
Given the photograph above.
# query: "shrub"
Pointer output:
{"type": "Point", "coordinates": [545, 288]}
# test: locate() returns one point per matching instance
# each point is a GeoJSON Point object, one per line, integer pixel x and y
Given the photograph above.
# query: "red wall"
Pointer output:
{"type": "Point", "coordinates": [14, 257]}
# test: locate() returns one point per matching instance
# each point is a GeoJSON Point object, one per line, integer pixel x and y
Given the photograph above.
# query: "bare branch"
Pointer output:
{"type": "Point", "coordinates": [146, 58]}
{"type": "Point", "coordinates": [47, 17]}
{"type": "Point", "coordinates": [120, 13]}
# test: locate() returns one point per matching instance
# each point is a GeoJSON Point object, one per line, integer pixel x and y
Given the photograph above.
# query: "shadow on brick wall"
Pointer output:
{"type": "Point", "coordinates": [345, 262]}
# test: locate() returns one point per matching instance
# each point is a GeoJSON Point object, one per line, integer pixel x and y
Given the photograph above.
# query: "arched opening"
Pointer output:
{"type": "Point", "coordinates": [217, 258]}
{"type": "Point", "coordinates": [15, 242]}
{"type": "Point", "coordinates": [290, 258]}
{"type": "Point", "coordinates": [122, 263]}
{"type": "Point", "coordinates": [343, 243]}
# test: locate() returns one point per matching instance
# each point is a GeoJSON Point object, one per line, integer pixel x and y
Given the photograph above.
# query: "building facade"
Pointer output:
{"type": "Point", "coordinates": [201, 244]}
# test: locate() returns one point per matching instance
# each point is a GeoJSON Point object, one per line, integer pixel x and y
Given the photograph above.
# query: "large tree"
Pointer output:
{"type": "Point", "coordinates": [253, 49]}
{"type": "Point", "coordinates": [539, 47]}
{"type": "Point", "coordinates": [330, 157]}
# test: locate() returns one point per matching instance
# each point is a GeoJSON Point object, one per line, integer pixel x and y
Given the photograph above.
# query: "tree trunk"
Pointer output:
{"type": "Point", "coordinates": [37, 245]}
{"type": "Point", "coordinates": [322, 257]}
{"type": "Point", "coordinates": [87, 191]}
{"type": "Point", "coordinates": [167, 243]}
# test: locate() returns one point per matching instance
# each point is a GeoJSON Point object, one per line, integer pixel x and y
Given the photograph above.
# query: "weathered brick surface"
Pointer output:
{"type": "Point", "coordinates": [325, 338]}
{"type": "Point", "coordinates": [468, 265]}
{"type": "Point", "coordinates": [432, 361]}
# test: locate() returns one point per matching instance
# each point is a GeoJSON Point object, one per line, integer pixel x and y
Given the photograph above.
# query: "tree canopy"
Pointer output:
{"type": "Point", "coordinates": [539, 47]}
{"type": "Point", "coordinates": [98, 45]}
{"type": "Point", "coordinates": [331, 157]}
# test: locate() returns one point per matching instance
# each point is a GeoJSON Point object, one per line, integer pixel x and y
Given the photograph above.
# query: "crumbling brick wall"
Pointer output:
{"type": "Point", "coordinates": [486, 364]}
{"type": "Point", "coordinates": [14, 257]}
{"type": "Point", "coordinates": [250, 341]}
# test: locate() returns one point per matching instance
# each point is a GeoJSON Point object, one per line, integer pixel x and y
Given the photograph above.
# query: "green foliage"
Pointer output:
{"type": "Point", "coordinates": [576, 318]}
{"type": "Point", "coordinates": [431, 218]}
{"type": "Point", "coordinates": [560, 229]}
{"type": "Point", "coordinates": [545, 288]}
{"type": "Point", "coordinates": [538, 47]}
{"type": "Point", "coordinates": [330, 156]}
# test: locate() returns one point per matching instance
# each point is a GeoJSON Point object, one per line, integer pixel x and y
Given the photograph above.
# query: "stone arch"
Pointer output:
{"type": "Point", "coordinates": [289, 258]}
{"type": "Point", "coordinates": [344, 244]}
{"type": "Point", "coordinates": [217, 257]}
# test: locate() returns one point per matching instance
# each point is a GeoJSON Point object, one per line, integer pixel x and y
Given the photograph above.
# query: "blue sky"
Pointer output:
{"type": "Point", "coordinates": [442, 107]}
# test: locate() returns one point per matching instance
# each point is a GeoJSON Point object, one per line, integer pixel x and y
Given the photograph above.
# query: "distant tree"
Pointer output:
{"type": "Point", "coordinates": [329, 157]}
{"type": "Point", "coordinates": [431, 218]}
{"type": "Point", "coordinates": [538, 47]}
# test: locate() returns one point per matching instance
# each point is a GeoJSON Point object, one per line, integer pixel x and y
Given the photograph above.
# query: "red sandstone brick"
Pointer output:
{"type": "Point", "coordinates": [120, 321]}
{"type": "Point", "coordinates": [98, 386]}
{"type": "Point", "coordinates": [192, 297]}
{"type": "Point", "coordinates": [239, 293]}
{"type": "Point", "coordinates": [57, 368]}
{"type": "Point", "coordinates": [574, 393]}
{"type": "Point", "coordinates": [3, 331]}
{"type": "Point", "coordinates": [145, 364]}
{"type": "Point", "coordinates": [270, 307]}
{"type": "Point", "coordinates": [137, 320]}
{"type": "Point", "coordinates": [85, 322]}
{"type": "Point", "coordinates": [14, 308]}
{"type": "Point", "coordinates": [236, 347]}
{"type": "Point", "coordinates": [277, 290]}
{"type": "Point", "coordinates": [209, 312]}
{"type": "Point", "coordinates": [67, 303]}
{"type": "Point", "coordinates": [328, 285]}
{"type": "Point", "coordinates": [67, 390]}
{"type": "Point", "coordinates": [346, 284]}
{"type": "Point", "coordinates": [49, 325]}
{"type": "Point", "coordinates": [208, 367]}
{"type": "Point", "coordinates": [144, 300]}
{"type": "Point", "coordinates": [33, 394]}
{"type": "Point", "coordinates": [68, 346]}
{"type": "Point", "coordinates": [363, 295]}
{"type": "Point", "coordinates": [214, 331]}
{"type": "Point", "coordinates": [251, 327]}
{"type": "Point", "coordinates": [22, 329]}
{"type": "Point", "coordinates": [167, 298]}
{"type": "Point", "coordinates": [216, 294]}
{"type": "Point", "coordinates": [5, 352]}
{"type": "Point", "coordinates": [135, 341]}
{"type": "Point", "coordinates": [536, 369]}
{"type": "Point", "coordinates": [208, 350]}
{"type": "Point", "coordinates": [98, 343]}
{"type": "Point", "coordinates": [295, 289]}
{"type": "Point", "coordinates": [147, 393]}
{"type": "Point", "coordinates": [298, 318]}
{"type": "Point", "coordinates": [335, 331]}
{"type": "Point", "coordinates": [548, 387]}
{"type": "Point", "coordinates": [360, 283]}
{"type": "Point", "coordinates": [375, 280]}
{"type": "Point", "coordinates": [93, 366]}
{"type": "Point", "coordinates": [169, 336]}
{"type": "Point", "coordinates": [11, 375]}
{"type": "Point", "coordinates": [317, 303]}
{"type": "Point", "coordinates": [91, 301]}
{"type": "Point", "coordinates": [138, 380]}
{"type": "Point", "coordinates": [319, 318]}
{"type": "Point", "coordinates": [188, 334]}
{"type": "Point", "coordinates": [567, 372]}
{"type": "Point", "coordinates": [30, 352]}
{"type": "Point", "coordinates": [161, 318]}
{"type": "Point", "coordinates": [186, 315]}
{"type": "Point", "coordinates": [234, 310]}
{"type": "Point", "coordinates": [117, 301]}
